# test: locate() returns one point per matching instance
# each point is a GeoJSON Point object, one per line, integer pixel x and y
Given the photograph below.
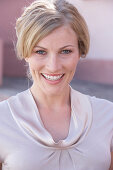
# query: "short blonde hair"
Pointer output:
{"type": "Point", "coordinates": [41, 18]}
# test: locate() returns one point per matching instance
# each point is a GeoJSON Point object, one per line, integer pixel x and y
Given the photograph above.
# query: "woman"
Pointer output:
{"type": "Point", "coordinates": [52, 126]}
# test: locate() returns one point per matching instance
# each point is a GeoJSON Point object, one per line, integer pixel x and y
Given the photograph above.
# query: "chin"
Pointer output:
{"type": "Point", "coordinates": [51, 88]}
{"type": "Point", "coordinates": [55, 90]}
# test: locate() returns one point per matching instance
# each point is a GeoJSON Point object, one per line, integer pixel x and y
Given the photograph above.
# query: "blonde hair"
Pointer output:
{"type": "Point", "coordinates": [41, 18]}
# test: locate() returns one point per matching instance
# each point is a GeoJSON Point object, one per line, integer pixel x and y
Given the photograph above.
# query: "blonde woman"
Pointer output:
{"type": "Point", "coordinates": [51, 126]}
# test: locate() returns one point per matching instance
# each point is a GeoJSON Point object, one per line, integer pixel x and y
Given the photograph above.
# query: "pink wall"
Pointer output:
{"type": "Point", "coordinates": [1, 57]}
{"type": "Point", "coordinates": [100, 71]}
{"type": "Point", "coordinates": [9, 11]}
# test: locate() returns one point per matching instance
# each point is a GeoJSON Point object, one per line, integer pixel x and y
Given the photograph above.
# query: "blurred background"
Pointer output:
{"type": "Point", "coordinates": [94, 75]}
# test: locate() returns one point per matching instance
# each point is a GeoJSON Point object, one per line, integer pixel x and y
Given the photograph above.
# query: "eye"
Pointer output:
{"type": "Point", "coordinates": [42, 52]}
{"type": "Point", "coordinates": [66, 51]}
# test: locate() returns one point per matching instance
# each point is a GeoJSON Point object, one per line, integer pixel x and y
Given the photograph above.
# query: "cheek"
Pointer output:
{"type": "Point", "coordinates": [72, 64]}
{"type": "Point", "coordinates": [34, 63]}
{"type": "Point", "coordinates": [33, 69]}
{"type": "Point", "coordinates": [34, 66]}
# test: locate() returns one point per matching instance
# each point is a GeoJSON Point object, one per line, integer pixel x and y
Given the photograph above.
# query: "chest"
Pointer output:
{"type": "Point", "coordinates": [32, 156]}
{"type": "Point", "coordinates": [57, 124]}
{"type": "Point", "coordinates": [21, 152]}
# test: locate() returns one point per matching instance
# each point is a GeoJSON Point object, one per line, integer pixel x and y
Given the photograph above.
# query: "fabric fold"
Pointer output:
{"type": "Point", "coordinates": [28, 118]}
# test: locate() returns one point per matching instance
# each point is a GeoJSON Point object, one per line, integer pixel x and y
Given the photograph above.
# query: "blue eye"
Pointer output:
{"type": "Point", "coordinates": [40, 52]}
{"type": "Point", "coordinates": [66, 51]}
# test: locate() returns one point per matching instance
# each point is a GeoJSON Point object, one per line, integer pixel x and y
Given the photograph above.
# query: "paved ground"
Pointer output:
{"type": "Point", "coordinates": [12, 86]}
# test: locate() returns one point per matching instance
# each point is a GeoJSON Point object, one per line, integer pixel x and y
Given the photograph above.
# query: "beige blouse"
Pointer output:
{"type": "Point", "coordinates": [26, 145]}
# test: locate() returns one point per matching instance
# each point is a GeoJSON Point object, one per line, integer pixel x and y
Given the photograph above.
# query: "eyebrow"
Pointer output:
{"type": "Point", "coordinates": [60, 48]}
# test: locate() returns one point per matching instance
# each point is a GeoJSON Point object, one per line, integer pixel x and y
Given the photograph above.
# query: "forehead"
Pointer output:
{"type": "Point", "coordinates": [60, 37]}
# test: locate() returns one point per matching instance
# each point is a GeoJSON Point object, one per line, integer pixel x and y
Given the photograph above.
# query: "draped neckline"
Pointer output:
{"type": "Point", "coordinates": [30, 122]}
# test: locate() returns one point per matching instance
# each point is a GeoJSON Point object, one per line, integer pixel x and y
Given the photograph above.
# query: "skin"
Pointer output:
{"type": "Point", "coordinates": [54, 59]}
{"type": "Point", "coordinates": [56, 54]}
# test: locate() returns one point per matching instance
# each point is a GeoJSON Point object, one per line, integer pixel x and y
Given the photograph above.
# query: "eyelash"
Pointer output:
{"type": "Point", "coordinates": [42, 52]}
{"type": "Point", "coordinates": [67, 51]}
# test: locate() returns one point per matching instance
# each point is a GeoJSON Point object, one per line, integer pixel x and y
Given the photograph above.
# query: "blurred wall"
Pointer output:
{"type": "Point", "coordinates": [99, 16]}
{"type": "Point", "coordinates": [1, 58]}
{"type": "Point", "coordinates": [98, 66]}
{"type": "Point", "coordinates": [9, 12]}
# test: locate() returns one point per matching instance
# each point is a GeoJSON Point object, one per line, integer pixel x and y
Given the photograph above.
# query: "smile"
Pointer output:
{"type": "Point", "coordinates": [52, 78]}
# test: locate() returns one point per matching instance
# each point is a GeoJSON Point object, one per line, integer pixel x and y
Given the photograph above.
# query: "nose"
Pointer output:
{"type": "Point", "coordinates": [53, 63]}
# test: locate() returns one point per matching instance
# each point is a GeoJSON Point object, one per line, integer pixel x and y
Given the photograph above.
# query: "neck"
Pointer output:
{"type": "Point", "coordinates": [51, 101]}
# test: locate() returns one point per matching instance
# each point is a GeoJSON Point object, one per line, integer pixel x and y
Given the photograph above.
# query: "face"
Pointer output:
{"type": "Point", "coordinates": [53, 61]}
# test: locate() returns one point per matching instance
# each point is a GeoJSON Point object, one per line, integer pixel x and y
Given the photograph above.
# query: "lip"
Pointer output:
{"type": "Point", "coordinates": [53, 82]}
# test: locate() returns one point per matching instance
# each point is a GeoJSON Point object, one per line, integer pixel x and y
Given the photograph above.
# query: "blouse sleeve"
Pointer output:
{"type": "Point", "coordinates": [105, 109]}
{"type": "Point", "coordinates": [3, 119]}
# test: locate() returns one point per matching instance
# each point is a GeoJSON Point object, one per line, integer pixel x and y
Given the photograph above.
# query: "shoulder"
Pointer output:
{"type": "Point", "coordinates": [5, 115]}
{"type": "Point", "coordinates": [6, 105]}
{"type": "Point", "coordinates": [3, 107]}
{"type": "Point", "coordinates": [102, 107]}
{"type": "Point", "coordinates": [21, 95]}
{"type": "Point", "coordinates": [101, 104]}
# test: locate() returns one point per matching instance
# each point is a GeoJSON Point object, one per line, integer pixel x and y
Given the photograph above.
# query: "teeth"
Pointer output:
{"type": "Point", "coordinates": [52, 77]}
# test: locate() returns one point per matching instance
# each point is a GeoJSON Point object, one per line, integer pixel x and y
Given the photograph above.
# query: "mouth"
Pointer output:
{"type": "Point", "coordinates": [52, 77]}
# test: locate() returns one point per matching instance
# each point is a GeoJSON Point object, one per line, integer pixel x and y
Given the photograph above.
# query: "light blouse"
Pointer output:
{"type": "Point", "coordinates": [25, 144]}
